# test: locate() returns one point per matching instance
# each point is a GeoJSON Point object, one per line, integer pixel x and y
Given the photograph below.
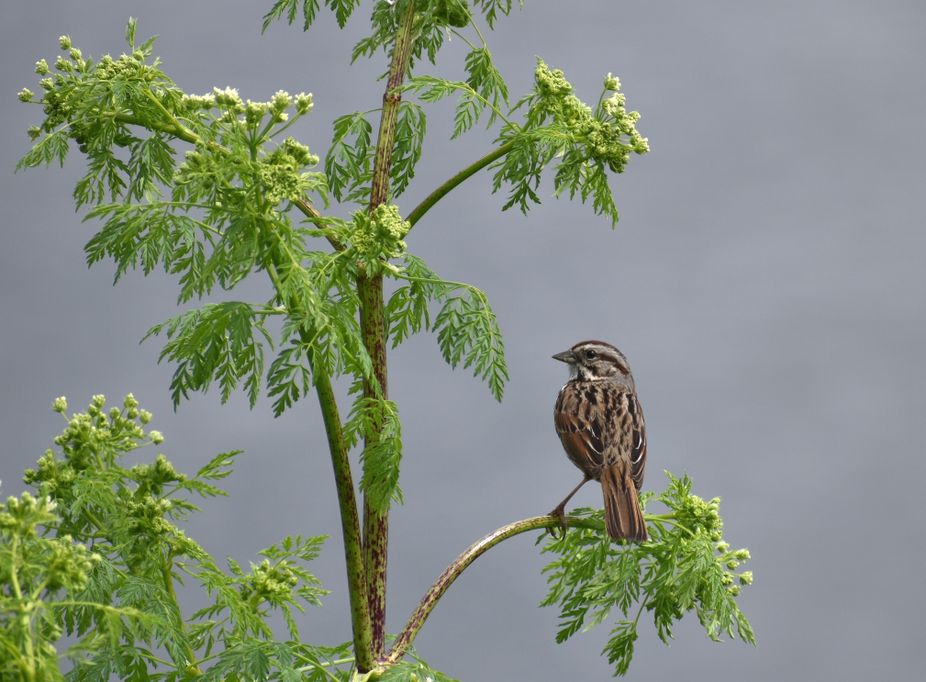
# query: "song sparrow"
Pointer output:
{"type": "Point", "coordinates": [600, 423]}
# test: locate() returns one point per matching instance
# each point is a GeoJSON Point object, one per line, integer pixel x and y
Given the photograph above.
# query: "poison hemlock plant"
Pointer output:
{"type": "Point", "coordinates": [211, 189]}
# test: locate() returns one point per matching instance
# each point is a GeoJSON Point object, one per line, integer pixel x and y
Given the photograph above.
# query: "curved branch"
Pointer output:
{"type": "Point", "coordinates": [446, 187]}
{"type": "Point", "coordinates": [453, 571]}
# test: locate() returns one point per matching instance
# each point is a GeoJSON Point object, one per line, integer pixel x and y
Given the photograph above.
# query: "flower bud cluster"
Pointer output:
{"type": "Point", "coordinates": [249, 112]}
{"type": "Point", "coordinates": [696, 514]}
{"type": "Point", "coordinates": [96, 438]}
{"type": "Point", "coordinates": [66, 89]}
{"type": "Point", "coordinates": [153, 477]}
{"type": "Point", "coordinates": [281, 172]}
{"type": "Point", "coordinates": [61, 562]}
{"type": "Point", "coordinates": [610, 137]}
{"type": "Point", "coordinates": [378, 236]}
{"type": "Point", "coordinates": [270, 582]}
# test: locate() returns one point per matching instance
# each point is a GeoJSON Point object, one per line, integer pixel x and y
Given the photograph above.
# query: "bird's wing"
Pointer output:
{"type": "Point", "coordinates": [581, 435]}
{"type": "Point", "coordinates": [636, 429]}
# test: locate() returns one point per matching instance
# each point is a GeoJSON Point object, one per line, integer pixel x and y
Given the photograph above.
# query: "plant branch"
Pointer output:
{"type": "Point", "coordinates": [350, 521]}
{"type": "Point", "coordinates": [347, 501]}
{"type": "Point", "coordinates": [178, 130]}
{"type": "Point", "coordinates": [181, 625]}
{"type": "Point", "coordinates": [450, 184]}
{"type": "Point", "coordinates": [312, 214]}
{"type": "Point", "coordinates": [453, 571]}
{"type": "Point", "coordinates": [373, 328]}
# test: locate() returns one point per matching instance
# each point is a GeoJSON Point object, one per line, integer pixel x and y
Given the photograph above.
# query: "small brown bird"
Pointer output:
{"type": "Point", "coordinates": [600, 423]}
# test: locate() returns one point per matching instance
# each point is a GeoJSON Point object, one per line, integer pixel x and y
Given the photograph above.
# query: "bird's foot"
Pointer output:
{"type": "Point", "coordinates": [560, 514]}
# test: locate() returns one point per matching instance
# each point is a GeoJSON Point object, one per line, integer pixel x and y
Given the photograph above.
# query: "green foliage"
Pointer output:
{"type": "Point", "coordinates": [376, 421]}
{"type": "Point", "coordinates": [349, 162]}
{"type": "Point", "coordinates": [466, 327]}
{"type": "Point", "coordinates": [686, 566]}
{"type": "Point", "coordinates": [433, 20]}
{"type": "Point", "coordinates": [468, 334]}
{"type": "Point", "coordinates": [342, 10]}
{"type": "Point", "coordinates": [411, 127]}
{"type": "Point", "coordinates": [210, 189]}
{"type": "Point", "coordinates": [217, 342]}
{"type": "Point", "coordinates": [414, 671]}
{"type": "Point", "coordinates": [586, 142]}
{"type": "Point", "coordinates": [117, 600]}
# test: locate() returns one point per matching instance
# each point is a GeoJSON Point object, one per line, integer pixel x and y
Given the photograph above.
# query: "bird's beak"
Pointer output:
{"type": "Point", "coordinates": [566, 356]}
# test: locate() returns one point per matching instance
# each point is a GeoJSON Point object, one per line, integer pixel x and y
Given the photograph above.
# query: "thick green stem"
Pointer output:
{"type": "Point", "coordinates": [445, 188]}
{"type": "Point", "coordinates": [373, 329]}
{"type": "Point", "coordinates": [453, 571]}
{"type": "Point", "coordinates": [350, 521]}
{"type": "Point", "coordinates": [375, 522]}
{"type": "Point", "coordinates": [347, 501]}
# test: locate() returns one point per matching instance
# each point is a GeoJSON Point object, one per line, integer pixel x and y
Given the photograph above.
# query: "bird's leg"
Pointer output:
{"type": "Point", "coordinates": [560, 511]}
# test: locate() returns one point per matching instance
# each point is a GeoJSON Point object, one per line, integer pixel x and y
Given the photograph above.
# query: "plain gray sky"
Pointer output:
{"type": "Point", "coordinates": [766, 280]}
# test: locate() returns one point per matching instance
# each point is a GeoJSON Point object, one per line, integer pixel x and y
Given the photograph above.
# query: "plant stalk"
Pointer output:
{"type": "Point", "coordinates": [446, 187]}
{"type": "Point", "coordinates": [347, 502]}
{"type": "Point", "coordinates": [453, 571]}
{"type": "Point", "coordinates": [350, 522]}
{"type": "Point", "coordinates": [373, 329]}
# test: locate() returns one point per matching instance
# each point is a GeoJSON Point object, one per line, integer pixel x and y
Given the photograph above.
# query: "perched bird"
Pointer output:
{"type": "Point", "coordinates": [600, 423]}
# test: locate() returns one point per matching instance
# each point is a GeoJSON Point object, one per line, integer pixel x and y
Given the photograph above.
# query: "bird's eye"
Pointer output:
{"type": "Point", "coordinates": [591, 355]}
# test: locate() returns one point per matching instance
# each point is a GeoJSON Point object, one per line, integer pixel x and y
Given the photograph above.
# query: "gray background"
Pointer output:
{"type": "Point", "coordinates": [766, 281]}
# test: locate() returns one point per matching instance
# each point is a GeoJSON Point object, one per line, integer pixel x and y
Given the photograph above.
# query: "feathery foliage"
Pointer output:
{"type": "Point", "coordinates": [213, 190]}
{"type": "Point", "coordinates": [96, 552]}
{"type": "Point", "coordinates": [686, 566]}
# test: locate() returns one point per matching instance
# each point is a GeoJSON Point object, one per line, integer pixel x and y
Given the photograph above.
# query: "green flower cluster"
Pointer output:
{"type": "Point", "coordinates": [609, 134]}
{"type": "Point", "coordinates": [249, 112]}
{"type": "Point", "coordinates": [695, 513]}
{"type": "Point", "coordinates": [378, 236]}
{"type": "Point", "coordinates": [86, 436]}
{"type": "Point", "coordinates": [702, 518]}
{"type": "Point", "coordinates": [53, 562]}
{"type": "Point", "coordinates": [273, 583]}
{"type": "Point", "coordinates": [279, 172]}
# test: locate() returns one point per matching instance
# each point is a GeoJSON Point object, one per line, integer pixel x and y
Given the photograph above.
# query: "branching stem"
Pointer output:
{"type": "Point", "coordinates": [453, 571]}
{"type": "Point", "coordinates": [450, 184]}
{"type": "Point", "coordinates": [347, 503]}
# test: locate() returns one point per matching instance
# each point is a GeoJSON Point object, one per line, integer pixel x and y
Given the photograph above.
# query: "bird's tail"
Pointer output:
{"type": "Point", "coordinates": [622, 514]}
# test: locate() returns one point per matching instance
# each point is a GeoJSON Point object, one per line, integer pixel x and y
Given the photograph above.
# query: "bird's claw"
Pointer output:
{"type": "Point", "coordinates": [560, 514]}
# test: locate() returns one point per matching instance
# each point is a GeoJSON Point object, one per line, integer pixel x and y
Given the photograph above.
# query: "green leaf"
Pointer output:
{"type": "Point", "coordinates": [468, 334]}
{"type": "Point", "coordinates": [411, 127]}
{"type": "Point", "coordinates": [289, 377]}
{"type": "Point", "coordinates": [376, 422]}
{"type": "Point", "coordinates": [130, 32]}
{"type": "Point", "coordinates": [349, 162]}
{"type": "Point", "coordinates": [493, 8]}
{"type": "Point", "coordinates": [619, 648]}
{"type": "Point", "coordinates": [220, 342]}
{"type": "Point", "coordinates": [342, 9]}
{"type": "Point", "coordinates": [53, 147]}
{"type": "Point", "coordinates": [289, 8]}
{"type": "Point", "coordinates": [414, 671]}
{"type": "Point", "coordinates": [485, 79]}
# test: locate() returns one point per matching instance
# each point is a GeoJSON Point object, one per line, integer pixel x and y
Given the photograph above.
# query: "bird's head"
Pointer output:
{"type": "Point", "coordinates": [595, 361]}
